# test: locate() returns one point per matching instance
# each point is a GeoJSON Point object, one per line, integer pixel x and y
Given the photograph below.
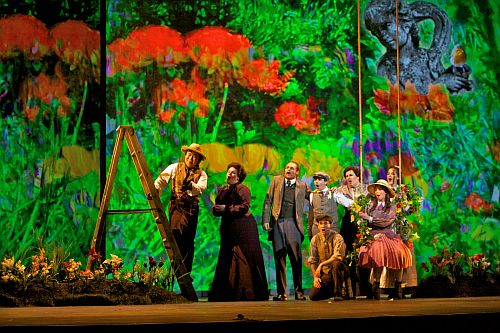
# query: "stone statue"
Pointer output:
{"type": "Point", "coordinates": [417, 65]}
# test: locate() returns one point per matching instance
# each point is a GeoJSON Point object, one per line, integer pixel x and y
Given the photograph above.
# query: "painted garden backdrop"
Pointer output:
{"type": "Point", "coordinates": [258, 82]}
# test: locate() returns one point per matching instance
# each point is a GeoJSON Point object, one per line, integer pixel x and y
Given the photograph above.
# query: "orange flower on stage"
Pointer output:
{"type": "Point", "coordinates": [25, 34]}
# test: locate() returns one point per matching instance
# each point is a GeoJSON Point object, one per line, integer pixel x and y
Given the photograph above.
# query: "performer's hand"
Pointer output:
{"type": "Point", "coordinates": [364, 215]}
{"type": "Point", "coordinates": [317, 282]}
{"type": "Point", "coordinates": [220, 208]}
{"type": "Point", "coordinates": [266, 226]}
{"type": "Point", "coordinates": [159, 191]}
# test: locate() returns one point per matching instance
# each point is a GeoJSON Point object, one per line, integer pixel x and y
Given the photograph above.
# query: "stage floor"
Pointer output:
{"type": "Point", "coordinates": [429, 314]}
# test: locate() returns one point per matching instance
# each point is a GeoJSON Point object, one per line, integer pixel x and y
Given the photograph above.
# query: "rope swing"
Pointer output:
{"type": "Point", "coordinates": [360, 95]}
{"type": "Point", "coordinates": [360, 100]}
{"type": "Point", "coordinates": [398, 88]}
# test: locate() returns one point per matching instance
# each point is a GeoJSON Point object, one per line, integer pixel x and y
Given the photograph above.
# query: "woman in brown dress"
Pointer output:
{"type": "Point", "coordinates": [240, 273]}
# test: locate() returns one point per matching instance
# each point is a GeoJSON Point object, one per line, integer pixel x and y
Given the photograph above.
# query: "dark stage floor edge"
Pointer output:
{"type": "Point", "coordinates": [471, 314]}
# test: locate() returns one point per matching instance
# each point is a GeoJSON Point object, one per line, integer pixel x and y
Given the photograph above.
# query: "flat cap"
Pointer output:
{"type": "Point", "coordinates": [323, 175]}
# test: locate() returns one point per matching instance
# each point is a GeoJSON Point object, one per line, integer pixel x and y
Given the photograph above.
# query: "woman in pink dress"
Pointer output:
{"type": "Point", "coordinates": [387, 250]}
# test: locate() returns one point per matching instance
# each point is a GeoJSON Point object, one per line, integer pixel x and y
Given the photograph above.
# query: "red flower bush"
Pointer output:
{"type": "Point", "coordinates": [75, 43]}
{"type": "Point", "coordinates": [260, 76]}
{"type": "Point", "coordinates": [159, 44]}
{"type": "Point", "coordinates": [23, 34]}
{"type": "Point", "coordinates": [477, 203]}
{"type": "Point", "coordinates": [298, 115]}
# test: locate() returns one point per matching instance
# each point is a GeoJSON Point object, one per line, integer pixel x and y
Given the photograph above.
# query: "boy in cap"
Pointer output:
{"type": "Point", "coordinates": [188, 182]}
{"type": "Point", "coordinates": [326, 259]}
{"type": "Point", "coordinates": [324, 201]}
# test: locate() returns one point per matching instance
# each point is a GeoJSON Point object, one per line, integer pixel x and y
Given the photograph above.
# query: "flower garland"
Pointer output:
{"type": "Point", "coordinates": [364, 236]}
{"type": "Point", "coordinates": [408, 201]}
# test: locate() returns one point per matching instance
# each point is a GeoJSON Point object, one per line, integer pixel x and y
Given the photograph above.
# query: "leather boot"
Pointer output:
{"type": "Point", "coordinates": [398, 291]}
{"type": "Point", "coordinates": [376, 290]}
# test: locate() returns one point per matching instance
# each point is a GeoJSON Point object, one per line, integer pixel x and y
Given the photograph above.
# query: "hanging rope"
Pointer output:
{"type": "Point", "coordinates": [398, 88]}
{"type": "Point", "coordinates": [359, 100]}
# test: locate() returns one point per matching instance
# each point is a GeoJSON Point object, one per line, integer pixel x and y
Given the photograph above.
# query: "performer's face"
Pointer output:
{"type": "Point", "coordinates": [291, 171]}
{"type": "Point", "coordinates": [392, 177]}
{"type": "Point", "coordinates": [232, 176]}
{"type": "Point", "coordinates": [320, 183]}
{"type": "Point", "coordinates": [380, 193]}
{"type": "Point", "coordinates": [352, 179]}
{"type": "Point", "coordinates": [324, 226]}
{"type": "Point", "coordinates": [191, 159]}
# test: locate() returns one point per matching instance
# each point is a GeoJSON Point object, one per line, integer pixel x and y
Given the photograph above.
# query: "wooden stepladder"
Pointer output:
{"type": "Point", "coordinates": [156, 208]}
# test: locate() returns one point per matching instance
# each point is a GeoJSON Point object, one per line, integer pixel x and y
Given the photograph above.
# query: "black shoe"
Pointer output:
{"type": "Point", "coordinates": [376, 290]}
{"type": "Point", "coordinates": [398, 291]}
{"type": "Point", "coordinates": [279, 298]}
{"type": "Point", "coordinates": [299, 296]}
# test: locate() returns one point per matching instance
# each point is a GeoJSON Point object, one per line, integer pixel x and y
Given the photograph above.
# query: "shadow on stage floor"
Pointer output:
{"type": "Point", "coordinates": [426, 315]}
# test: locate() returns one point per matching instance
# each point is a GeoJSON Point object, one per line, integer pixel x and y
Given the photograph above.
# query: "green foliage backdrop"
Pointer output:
{"type": "Point", "coordinates": [454, 164]}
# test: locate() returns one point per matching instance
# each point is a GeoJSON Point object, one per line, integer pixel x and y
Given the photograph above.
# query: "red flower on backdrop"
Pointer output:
{"type": "Point", "coordinates": [181, 93]}
{"type": "Point", "coordinates": [261, 76]}
{"type": "Point", "coordinates": [161, 44]}
{"type": "Point", "coordinates": [76, 44]}
{"type": "Point", "coordinates": [219, 51]}
{"type": "Point", "coordinates": [435, 105]}
{"type": "Point", "coordinates": [408, 168]}
{"type": "Point", "coordinates": [477, 203]}
{"type": "Point", "coordinates": [298, 115]}
{"type": "Point", "coordinates": [25, 34]}
{"type": "Point", "coordinates": [45, 90]}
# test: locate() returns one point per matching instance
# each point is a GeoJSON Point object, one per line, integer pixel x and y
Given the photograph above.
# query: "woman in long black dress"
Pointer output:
{"type": "Point", "coordinates": [240, 273]}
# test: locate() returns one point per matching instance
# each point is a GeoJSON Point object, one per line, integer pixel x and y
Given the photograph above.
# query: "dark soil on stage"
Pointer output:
{"type": "Point", "coordinates": [80, 293]}
{"type": "Point", "coordinates": [465, 286]}
{"type": "Point", "coordinates": [127, 293]}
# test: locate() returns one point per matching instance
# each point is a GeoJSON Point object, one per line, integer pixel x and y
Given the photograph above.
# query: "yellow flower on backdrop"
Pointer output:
{"type": "Point", "coordinates": [252, 156]}
{"type": "Point", "coordinates": [75, 162]}
{"type": "Point", "coordinates": [312, 160]}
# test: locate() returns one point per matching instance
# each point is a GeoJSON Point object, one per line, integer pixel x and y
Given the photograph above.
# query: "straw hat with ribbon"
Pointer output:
{"type": "Point", "coordinates": [195, 148]}
{"type": "Point", "coordinates": [383, 183]}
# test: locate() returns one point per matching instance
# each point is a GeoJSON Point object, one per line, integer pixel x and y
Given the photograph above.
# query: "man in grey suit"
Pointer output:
{"type": "Point", "coordinates": [282, 218]}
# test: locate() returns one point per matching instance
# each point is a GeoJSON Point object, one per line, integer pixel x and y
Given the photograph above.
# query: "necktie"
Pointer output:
{"type": "Point", "coordinates": [288, 183]}
{"type": "Point", "coordinates": [380, 206]}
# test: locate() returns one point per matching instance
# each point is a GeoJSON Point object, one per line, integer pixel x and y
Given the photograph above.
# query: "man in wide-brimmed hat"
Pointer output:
{"type": "Point", "coordinates": [188, 182]}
